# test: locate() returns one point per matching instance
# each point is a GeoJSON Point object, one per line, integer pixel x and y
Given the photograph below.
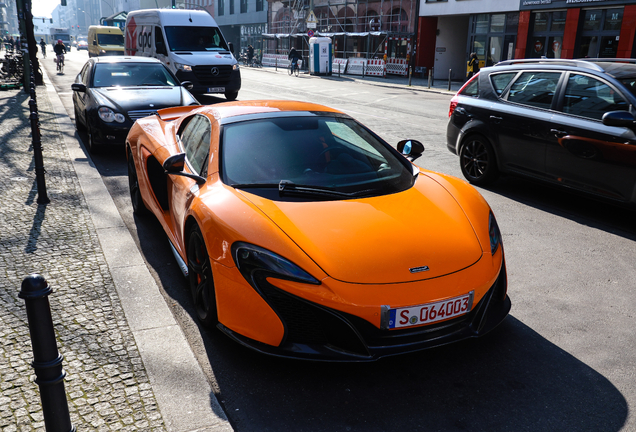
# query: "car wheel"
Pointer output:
{"type": "Point", "coordinates": [139, 208]}
{"type": "Point", "coordinates": [200, 278]}
{"type": "Point", "coordinates": [78, 123]}
{"type": "Point", "coordinates": [477, 160]}
{"type": "Point", "coordinates": [231, 96]}
{"type": "Point", "coordinates": [93, 148]}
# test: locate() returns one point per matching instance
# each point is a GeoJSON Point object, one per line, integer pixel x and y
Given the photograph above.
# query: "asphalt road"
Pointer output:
{"type": "Point", "coordinates": [564, 360]}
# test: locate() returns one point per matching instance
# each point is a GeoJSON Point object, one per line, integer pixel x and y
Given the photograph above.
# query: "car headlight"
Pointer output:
{"type": "Point", "coordinates": [109, 116]}
{"type": "Point", "coordinates": [494, 233]}
{"type": "Point", "coordinates": [251, 260]}
{"type": "Point", "coordinates": [183, 67]}
{"type": "Point", "coordinates": [235, 67]}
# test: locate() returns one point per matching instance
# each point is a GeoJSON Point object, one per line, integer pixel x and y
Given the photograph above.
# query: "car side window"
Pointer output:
{"type": "Point", "coordinates": [501, 81]}
{"type": "Point", "coordinates": [534, 89]}
{"type": "Point", "coordinates": [471, 89]}
{"type": "Point", "coordinates": [85, 73]}
{"type": "Point", "coordinates": [588, 97]}
{"type": "Point", "coordinates": [195, 140]}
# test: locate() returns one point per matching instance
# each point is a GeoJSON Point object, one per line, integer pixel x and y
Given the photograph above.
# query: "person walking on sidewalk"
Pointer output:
{"type": "Point", "coordinates": [473, 66]}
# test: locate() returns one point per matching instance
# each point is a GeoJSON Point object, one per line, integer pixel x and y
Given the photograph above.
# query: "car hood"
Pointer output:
{"type": "Point", "coordinates": [138, 98]}
{"type": "Point", "coordinates": [386, 239]}
{"type": "Point", "coordinates": [198, 58]}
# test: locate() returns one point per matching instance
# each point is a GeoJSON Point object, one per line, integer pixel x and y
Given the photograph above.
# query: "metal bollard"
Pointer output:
{"type": "Point", "coordinates": [276, 67]}
{"type": "Point", "coordinates": [47, 361]}
{"type": "Point", "coordinates": [410, 71]}
{"type": "Point", "coordinates": [338, 70]}
{"type": "Point", "coordinates": [430, 76]}
{"type": "Point", "coordinates": [450, 72]}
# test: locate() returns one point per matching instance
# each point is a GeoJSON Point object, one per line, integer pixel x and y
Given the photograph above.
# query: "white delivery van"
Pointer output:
{"type": "Point", "coordinates": [190, 44]}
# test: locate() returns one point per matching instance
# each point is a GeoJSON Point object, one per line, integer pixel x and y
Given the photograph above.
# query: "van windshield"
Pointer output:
{"type": "Point", "coordinates": [195, 39]}
{"type": "Point", "coordinates": [110, 39]}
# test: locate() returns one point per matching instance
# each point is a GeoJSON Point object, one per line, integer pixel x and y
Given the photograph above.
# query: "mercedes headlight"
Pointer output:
{"type": "Point", "coordinates": [183, 67]}
{"type": "Point", "coordinates": [235, 67]}
{"type": "Point", "coordinates": [252, 260]}
{"type": "Point", "coordinates": [109, 116]}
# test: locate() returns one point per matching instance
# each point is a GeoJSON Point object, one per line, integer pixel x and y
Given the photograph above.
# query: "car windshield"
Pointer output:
{"type": "Point", "coordinates": [132, 74]}
{"type": "Point", "coordinates": [319, 156]}
{"type": "Point", "coordinates": [110, 39]}
{"type": "Point", "coordinates": [195, 39]}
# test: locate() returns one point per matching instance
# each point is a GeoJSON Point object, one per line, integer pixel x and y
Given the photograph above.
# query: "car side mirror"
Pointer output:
{"type": "Point", "coordinates": [187, 85]}
{"type": "Point", "coordinates": [618, 118]}
{"type": "Point", "coordinates": [78, 87]}
{"type": "Point", "coordinates": [175, 164]}
{"type": "Point", "coordinates": [411, 149]}
{"type": "Point", "coordinates": [94, 42]}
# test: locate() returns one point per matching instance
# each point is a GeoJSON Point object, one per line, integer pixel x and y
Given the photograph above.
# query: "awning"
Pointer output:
{"type": "Point", "coordinates": [350, 34]}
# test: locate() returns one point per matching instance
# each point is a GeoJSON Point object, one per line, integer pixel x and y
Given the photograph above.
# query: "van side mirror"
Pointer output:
{"type": "Point", "coordinates": [94, 42]}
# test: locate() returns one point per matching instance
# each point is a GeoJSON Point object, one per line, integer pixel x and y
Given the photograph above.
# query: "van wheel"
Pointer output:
{"type": "Point", "coordinates": [231, 96]}
{"type": "Point", "coordinates": [478, 161]}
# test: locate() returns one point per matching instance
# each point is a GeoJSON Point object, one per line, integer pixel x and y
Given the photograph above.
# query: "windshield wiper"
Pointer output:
{"type": "Point", "coordinates": [289, 187]}
{"type": "Point", "coordinates": [286, 187]}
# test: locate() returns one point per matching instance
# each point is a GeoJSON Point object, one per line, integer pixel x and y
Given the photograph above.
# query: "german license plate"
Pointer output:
{"type": "Point", "coordinates": [216, 89]}
{"type": "Point", "coordinates": [430, 312]}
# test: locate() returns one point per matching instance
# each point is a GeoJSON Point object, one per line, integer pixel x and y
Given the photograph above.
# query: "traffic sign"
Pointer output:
{"type": "Point", "coordinates": [310, 33]}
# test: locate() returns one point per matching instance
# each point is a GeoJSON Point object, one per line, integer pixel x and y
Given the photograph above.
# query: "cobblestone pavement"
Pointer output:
{"type": "Point", "coordinates": [106, 384]}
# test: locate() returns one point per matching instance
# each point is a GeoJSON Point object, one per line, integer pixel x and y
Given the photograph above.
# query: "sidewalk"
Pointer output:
{"type": "Point", "coordinates": [128, 364]}
{"type": "Point", "coordinates": [417, 82]}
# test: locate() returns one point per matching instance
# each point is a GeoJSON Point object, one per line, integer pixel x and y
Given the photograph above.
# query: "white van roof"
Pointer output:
{"type": "Point", "coordinates": [176, 17]}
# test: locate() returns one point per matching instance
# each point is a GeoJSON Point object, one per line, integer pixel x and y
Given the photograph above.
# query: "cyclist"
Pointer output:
{"type": "Point", "coordinates": [250, 54]}
{"type": "Point", "coordinates": [60, 50]}
{"type": "Point", "coordinates": [43, 46]}
{"type": "Point", "coordinates": [293, 56]}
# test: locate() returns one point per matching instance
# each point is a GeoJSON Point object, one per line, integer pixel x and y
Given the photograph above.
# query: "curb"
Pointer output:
{"type": "Point", "coordinates": [184, 397]}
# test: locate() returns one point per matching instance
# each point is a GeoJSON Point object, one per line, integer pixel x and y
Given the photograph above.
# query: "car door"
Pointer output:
{"type": "Point", "coordinates": [523, 121]}
{"type": "Point", "coordinates": [194, 139]}
{"type": "Point", "coordinates": [583, 153]}
{"type": "Point", "coordinates": [81, 98]}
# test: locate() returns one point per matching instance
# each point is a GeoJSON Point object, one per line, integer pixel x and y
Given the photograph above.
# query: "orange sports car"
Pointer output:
{"type": "Point", "coordinates": [304, 234]}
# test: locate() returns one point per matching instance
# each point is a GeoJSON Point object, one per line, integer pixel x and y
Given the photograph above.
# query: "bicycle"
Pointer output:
{"type": "Point", "coordinates": [60, 64]}
{"type": "Point", "coordinates": [293, 68]}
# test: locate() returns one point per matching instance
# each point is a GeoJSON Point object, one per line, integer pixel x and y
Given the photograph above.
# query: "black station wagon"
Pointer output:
{"type": "Point", "coordinates": [568, 122]}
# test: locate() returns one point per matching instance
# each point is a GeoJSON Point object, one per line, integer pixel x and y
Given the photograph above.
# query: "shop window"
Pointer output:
{"type": "Point", "coordinates": [535, 89]}
{"type": "Point", "coordinates": [481, 23]}
{"type": "Point", "coordinates": [613, 19]}
{"type": "Point", "coordinates": [512, 22]}
{"type": "Point", "coordinates": [497, 23]}
{"type": "Point", "coordinates": [592, 20]}
{"type": "Point", "coordinates": [540, 21]}
{"type": "Point", "coordinates": [558, 21]}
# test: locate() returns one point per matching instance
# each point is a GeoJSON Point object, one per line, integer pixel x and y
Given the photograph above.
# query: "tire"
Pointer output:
{"type": "Point", "coordinates": [478, 161]}
{"type": "Point", "coordinates": [201, 279]}
{"type": "Point", "coordinates": [296, 71]}
{"type": "Point", "coordinates": [231, 96]}
{"type": "Point", "coordinates": [139, 208]}
{"type": "Point", "coordinates": [93, 147]}
{"type": "Point", "coordinates": [290, 70]}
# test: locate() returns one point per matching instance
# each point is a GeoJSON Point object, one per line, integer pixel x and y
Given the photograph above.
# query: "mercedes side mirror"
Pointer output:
{"type": "Point", "coordinates": [78, 87]}
{"type": "Point", "coordinates": [618, 118]}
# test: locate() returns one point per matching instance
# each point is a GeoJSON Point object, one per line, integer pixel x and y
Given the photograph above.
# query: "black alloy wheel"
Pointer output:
{"type": "Point", "coordinates": [93, 148]}
{"type": "Point", "coordinates": [477, 161]}
{"type": "Point", "coordinates": [139, 208]}
{"type": "Point", "coordinates": [200, 278]}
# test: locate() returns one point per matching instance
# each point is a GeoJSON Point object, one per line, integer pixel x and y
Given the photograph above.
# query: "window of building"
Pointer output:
{"type": "Point", "coordinates": [231, 7]}
{"type": "Point", "coordinates": [221, 7]}
{"type": "Point", "coordinates": [259, 5]}
{"type": "Point", "coordinates": [546, 38]}
{"type": "Point", "coordinates": [493, 37]}
{"type": "Point", "coordinates": [600, 32]}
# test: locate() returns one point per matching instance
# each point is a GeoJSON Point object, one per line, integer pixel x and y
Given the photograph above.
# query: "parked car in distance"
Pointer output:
{"type": "Point", "coordinates": [303, 234]}
{"type": "Point", "coordinates": [110, 93]}
{"type": "Point", "coordinates": [567, 122]}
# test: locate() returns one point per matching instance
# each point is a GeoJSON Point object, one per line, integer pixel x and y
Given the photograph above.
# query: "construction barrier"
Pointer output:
{"type": "Point", "coordinates": [357, 66]}
{"type": "Point", "coordinates": [338, 66]}
{"type": "Point", "coordinates": [279, 60]}
{"type": "Point", "coordinates": [375, 68]}
{"type": "Point", "coordinates": [396, 66]}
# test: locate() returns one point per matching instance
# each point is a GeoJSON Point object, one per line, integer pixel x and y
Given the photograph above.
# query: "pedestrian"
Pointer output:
{"type": "Point", "coordinates": [473, 65]}
{"type": "Point", "coordinates": [250, 53]}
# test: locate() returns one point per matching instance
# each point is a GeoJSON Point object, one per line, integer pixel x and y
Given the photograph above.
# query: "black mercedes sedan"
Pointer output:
{"type": "Point", "coordinates": [110, 93]}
